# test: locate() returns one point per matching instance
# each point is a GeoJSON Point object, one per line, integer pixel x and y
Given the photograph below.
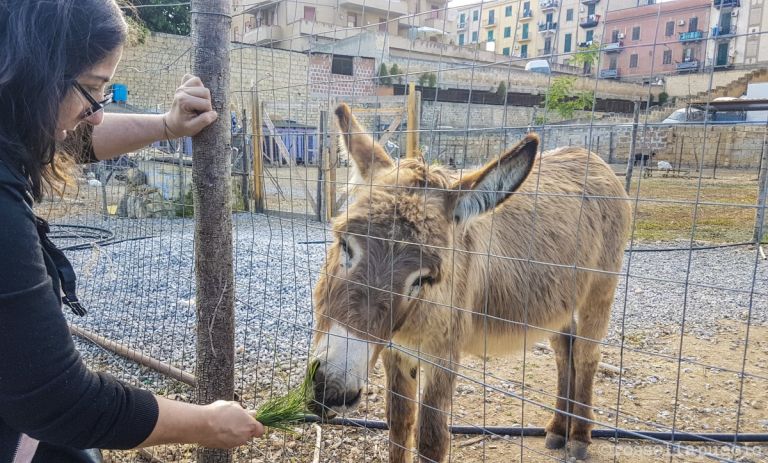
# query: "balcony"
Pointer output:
{"type": "Point", "coordinates": [527, 14]}
{"type": "Point", "coordinates": [726, 3]}
{"type": "Point", "coordinates": [461, 26]}
{"type": "Point", "coordinates": [549, 5]}
{"type": "Point", "coordinates": [590, 2]}
{"type": "Point", "coordinates": [590, 21]}
{"type": "Point", "coordinates": [263, 34]}
{"type": "Point", "coordinates": [694, 36]}
{"type": "Point", "coordinates": [723, 33]}
{"type": "Point", "coordinates": [524, 37]}
{"type": "Point", "coordinates": [609, 73]}
{"type": "Point", "coordinates": [545, 51]}
{"type": "Point", "coordinates": [388, 8]}
{"type": "Point", "coordinates": [489, 23]}
{"type": "Point", "coordinates": [614, 47]}
{"type": "Point", "coordinates": [586, 44]}
{"type": "Point", "coordinates": [254, 7]}
{"type": "Point", "coordinates": [688, 66]}
{"type": "Point", "coordinates": [548, 28]}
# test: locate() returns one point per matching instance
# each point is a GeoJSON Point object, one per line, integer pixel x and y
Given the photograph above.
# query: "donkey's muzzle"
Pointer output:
{"type": "Point", "coordinates": [332, 396]}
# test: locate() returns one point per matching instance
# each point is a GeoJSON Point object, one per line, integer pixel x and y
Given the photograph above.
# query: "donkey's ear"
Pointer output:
{"type": "Point", "coordinates": [483, 190]}
{"type": "Point", "coordinates": [368, 155]}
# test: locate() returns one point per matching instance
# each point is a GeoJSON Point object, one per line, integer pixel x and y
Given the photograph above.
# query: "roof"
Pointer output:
{"type": "Point", "coordinates": [733, 105]}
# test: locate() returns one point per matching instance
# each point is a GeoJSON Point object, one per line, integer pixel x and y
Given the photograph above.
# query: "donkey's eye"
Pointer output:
{"type": "Point", "coordinates": [418, 283]}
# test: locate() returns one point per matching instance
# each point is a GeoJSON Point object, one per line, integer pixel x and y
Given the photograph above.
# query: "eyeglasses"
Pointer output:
{"type": "Point", "coordinates": [96, 106]}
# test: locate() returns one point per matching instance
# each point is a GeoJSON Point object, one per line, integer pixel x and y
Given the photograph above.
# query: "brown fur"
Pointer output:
{"type": "Point", "coordinates": [539, 263]}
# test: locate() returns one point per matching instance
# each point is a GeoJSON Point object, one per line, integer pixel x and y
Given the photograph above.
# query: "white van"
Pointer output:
{"type": "Point", "coordinates": [538, 65]}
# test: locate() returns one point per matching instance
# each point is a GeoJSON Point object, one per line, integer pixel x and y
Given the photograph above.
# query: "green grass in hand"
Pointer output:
{"type": "Point", "coordinates": [285, 411]}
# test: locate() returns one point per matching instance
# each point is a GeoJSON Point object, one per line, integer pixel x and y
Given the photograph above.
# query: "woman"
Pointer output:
{"type": "Point", "coordinates": [57, 59]}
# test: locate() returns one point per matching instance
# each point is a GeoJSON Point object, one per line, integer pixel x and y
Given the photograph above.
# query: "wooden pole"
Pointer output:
{"type": "Point", "coordinates": [258, 156]}
{"type": "Point", "coordinates": [212, 179]}
{"type": "Point", "coordinates": [322, 130]}
{"type": "Point", "coordinates": [632, 145]}
{"type": "Point", "coordinates": [762, 192]}
{"type": "Point", "coordinates": [412, 137]}
{"type": "Point", "coordinates": [246, 178]}
{"type": "Point", "coordinates": [331, 163]}
{"type": "Point", "coordinates": [717, 152]}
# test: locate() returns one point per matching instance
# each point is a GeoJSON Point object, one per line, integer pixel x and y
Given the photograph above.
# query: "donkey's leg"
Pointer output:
{"type": "Point", "coordinates": [591, 328]}
{"type": "Point", "coordinates": [557, 428]}
{"type": "Point", "coordinates": [401, 403]}
{"type": "Point", "coordinates": [432, 436]}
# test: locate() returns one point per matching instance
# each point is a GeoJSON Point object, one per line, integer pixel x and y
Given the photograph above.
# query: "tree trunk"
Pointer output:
{"type": "Point", "coordinates": [211, 177]}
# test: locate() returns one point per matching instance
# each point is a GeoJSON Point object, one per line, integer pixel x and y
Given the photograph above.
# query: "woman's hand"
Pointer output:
{"type": "Point", "coordinates": [230, 425]}
{"type": "Point", "coordinates": [191, 110]}
{"type": "Point", "coordinates": [220, 425]}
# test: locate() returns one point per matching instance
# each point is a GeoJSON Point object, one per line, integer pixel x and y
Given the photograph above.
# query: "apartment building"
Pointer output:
{"type": "Point", "coordinates": [654, 40]}
{"type": "Point", "coordinates": [300, 26]}
{"type": "Point", "coordinates": [550, 29]}
{"type": "Point", "coordinates": [738, 33]}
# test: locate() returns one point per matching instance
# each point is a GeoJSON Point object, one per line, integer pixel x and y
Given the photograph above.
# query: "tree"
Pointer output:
{"type": "Point", "coordinates": [383, 76]}
{"type": "Point", "coordinates": [212, 193]}
{"type": "Point", "coordinates": [432, 80]}
{"type": "Point", "coordinates": [586, 57]}
{"type": "Point", "coordinates": [501, 91]}
{"type": "Point", "coordinates": [161, 18]}
{"type": "Point", "coordinates": [561, 99]}
{"type": "Point", "coordinates": [395, 72]}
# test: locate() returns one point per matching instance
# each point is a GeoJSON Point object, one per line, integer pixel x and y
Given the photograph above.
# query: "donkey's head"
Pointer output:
{"type": "Point", "coordinates": [392, 251]}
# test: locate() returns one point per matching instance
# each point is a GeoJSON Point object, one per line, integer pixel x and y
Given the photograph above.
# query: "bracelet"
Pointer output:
{"type": "Point", "coordinates": [166, 130]}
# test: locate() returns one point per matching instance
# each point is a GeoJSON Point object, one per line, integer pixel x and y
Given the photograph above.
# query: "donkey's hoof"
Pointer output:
{"type": "Point", "coordinates": [577, 450]}
{"type": "Point", "coordinates": [554, 441]}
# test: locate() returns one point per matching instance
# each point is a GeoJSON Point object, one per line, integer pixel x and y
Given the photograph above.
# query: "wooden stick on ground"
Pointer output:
{"type": "Point", "coordinates": [318, 443]}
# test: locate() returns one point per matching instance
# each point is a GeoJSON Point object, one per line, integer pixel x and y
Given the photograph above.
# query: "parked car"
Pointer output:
{"type": "Point", "coordinates": [538, 65]}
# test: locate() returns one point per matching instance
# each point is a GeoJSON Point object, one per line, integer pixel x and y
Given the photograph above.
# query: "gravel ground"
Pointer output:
{"type": "Point", "coordinates": [141, 292]}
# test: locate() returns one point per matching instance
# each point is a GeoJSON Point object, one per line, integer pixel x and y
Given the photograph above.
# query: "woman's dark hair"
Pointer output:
{"type": "Point", "coordinates": [45, 45]}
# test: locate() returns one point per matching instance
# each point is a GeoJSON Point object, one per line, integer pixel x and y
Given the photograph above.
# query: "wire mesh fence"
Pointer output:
{"type": "Point", "coordinates": [450, 279]}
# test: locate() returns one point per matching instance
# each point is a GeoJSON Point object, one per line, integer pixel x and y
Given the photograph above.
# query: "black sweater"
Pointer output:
{"type": "Point", "coordinates": [46, 391]}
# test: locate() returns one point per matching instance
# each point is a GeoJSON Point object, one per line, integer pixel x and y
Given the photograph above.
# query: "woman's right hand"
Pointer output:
{"type": "Point", "coordinates": [230, 425]}
{"type": "Point", "coordinates": [221, 424]}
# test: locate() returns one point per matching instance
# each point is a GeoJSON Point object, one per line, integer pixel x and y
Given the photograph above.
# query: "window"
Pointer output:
{"type": "Point", "coordinates": [590, 35]}
{"type": "Point", "coordinates": [351, 20]}
{"type": "Point", "coordinates": [491, 16]}
{"type": "Point", "coordinates": [461, 39]}
{"type": "Point", "coordinates": [525, 31]}
{"type": "Point", "coordinates": [569, 14]}
{"type": "Point", "coordinates": [615, 36]}
{"type": "Point", "coordinates": [343, 65]}
{"type": "Point", "coordinates": [524, 51]}
{"type": "Point", "coordinates": [613, 63]}
{"type": "Point", "coordinates": [382, 24]}
{"type": "Point", "coordinates": [475, 15]}
{"type": "Point", "coordinates": [490, 36]}
{"type": "Point", "coordinates": [567, 46]}
{"type": "Point", "coordinates": [507, 32]}
{"type": "Point", "coordinates": [693, 24]}
{"type": "Point", "coordinates": [526, 6]}
{"type": "Point", "coordinates": [633, 61]}
{"type": "Point", "coordinates": [309, 13]}
{"type": "Point", "coordinates": [549, 18]}
{"type": "Point", "coordinates": [688, 55]}
{"type": "Point", "coordinates": [670, 30]}
{"type": "Point", "coordinates": [667, 57]}
{"type": "Point", "coordinates": [547, 45]}
{"type": "Point", "coordinates": [462, 19]}
{"type": "Point", "coordinates": [508, 11]}
{"type": "Point", "coordinates": [636, 33]}
{"type": "Point", "coordinates": [474, 37]}
{"type": "Point", "coordinates": [505, 51]}
{"type": "Point", "coordinates": [591, 10]}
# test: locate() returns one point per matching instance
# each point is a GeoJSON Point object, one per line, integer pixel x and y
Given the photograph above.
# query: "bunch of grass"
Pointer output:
{"type": "Point", "coordinates": [285, 411]}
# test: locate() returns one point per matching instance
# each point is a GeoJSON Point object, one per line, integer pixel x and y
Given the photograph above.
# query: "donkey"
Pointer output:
{"type": "Point", "coordinates": [527, 246]}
